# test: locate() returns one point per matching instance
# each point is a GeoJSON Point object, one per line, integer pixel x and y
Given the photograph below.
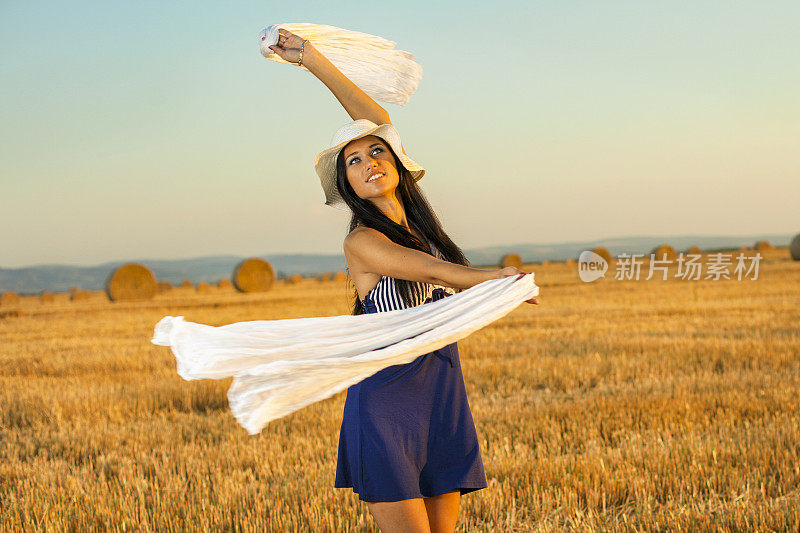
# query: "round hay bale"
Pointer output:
{"type": "Point", "coordinates": [203, 287]}
{"type": "Point", "coordinates": [224, 284]}
{"type": "Point", "coordinates": [8, 299]}
{"type": "Point", "coordinates": [511, 260]}
{"type": "Point", "coordinates": [296, 278]}
{"type": "Point", "coordinates": [131, 281]}
{"type": "Point", "coordinates": [763, 246]}
{"type": "Point", "coordinates": [79, 296]}
{"type": "Point", "coordinates": [569, 262]}
{"type": "Point", "coordinates": [47, 297]}
{"type": "Point", "coordinates": [664, 250]}
{"type": "Point", "coordinates": [253, 275]}
{"type": "Point", "coordinates": [187, 284]}
{"type": "Point", "coordinates": [694, 250]}
{"type": "Point", "coordinates": [602, 252]}
{"type": "Point", "coordinates": [340, 276]}
{"type": "Point", "coordinates": [164, 286]}
{"type": "Point", "coordinates": [794, 247]}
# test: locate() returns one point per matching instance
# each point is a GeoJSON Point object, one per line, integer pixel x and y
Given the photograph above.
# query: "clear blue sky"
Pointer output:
{"type": "Point", "coordinates": [157, 130]}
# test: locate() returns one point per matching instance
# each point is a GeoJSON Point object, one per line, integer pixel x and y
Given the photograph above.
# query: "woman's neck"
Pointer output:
{"type": "Point", "coordinates": [392, 207]}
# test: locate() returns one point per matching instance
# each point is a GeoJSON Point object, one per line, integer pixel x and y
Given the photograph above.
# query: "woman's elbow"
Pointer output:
{"type": "Point", "coordinates": [438, 272]}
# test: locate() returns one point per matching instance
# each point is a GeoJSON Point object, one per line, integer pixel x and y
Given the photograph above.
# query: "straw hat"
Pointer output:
{"type": "Point", "coordinates": [325, 162]}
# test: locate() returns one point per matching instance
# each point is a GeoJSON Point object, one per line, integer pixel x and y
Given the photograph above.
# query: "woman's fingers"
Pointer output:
{"type": "Point", "coordinates": [278, 50]}
{"type": "Point", "coordinates": [283, 38]}
{"type": "Point", "coordinates": [287, 39]}
{"type": "Point", "coordinates": [289, 55]}
{"type": "Point", "coordinates": [288, 47]}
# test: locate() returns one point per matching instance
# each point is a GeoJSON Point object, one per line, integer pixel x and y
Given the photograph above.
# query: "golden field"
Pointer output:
{"type": "Point", "coordinates": [613, 405]}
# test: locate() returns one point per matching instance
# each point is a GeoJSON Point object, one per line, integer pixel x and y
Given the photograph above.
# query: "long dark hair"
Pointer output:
{"type": "Point", "coordinates": [419, 214]}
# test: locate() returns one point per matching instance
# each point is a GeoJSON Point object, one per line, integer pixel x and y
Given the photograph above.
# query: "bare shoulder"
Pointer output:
{"type": "Point", "coordinates": [360, 236]}
{"type": "Point", "coordinates": [360, 242]}
{"type": "Point", "coordinates": [369, 250]}
{"type": "Point", "coordinates": [354, 245]}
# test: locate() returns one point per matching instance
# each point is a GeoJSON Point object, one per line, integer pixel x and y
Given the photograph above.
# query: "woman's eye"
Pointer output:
{"type": "Point", "coordinates": [377, 149]}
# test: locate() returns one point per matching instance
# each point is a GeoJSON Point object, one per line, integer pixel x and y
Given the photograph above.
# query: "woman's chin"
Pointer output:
{"type": "Point", "coordinates": [379, 190]}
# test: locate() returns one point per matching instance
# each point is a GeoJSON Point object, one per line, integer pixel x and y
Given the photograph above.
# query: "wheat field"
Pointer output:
{"type": "Point", "coordinates": [613, 405]}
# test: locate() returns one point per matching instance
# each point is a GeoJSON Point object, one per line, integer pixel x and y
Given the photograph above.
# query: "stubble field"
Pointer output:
{"type": "Point", "coordinates": [613, 405]}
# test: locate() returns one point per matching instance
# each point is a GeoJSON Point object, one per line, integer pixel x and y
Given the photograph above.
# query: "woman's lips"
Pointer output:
{"type": "Point", "coordinates": [375, 177]}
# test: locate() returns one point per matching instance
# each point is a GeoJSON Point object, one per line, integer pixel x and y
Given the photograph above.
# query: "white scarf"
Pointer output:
{"type": "Point", "coordinates": [280, 366]}
{"type": "Point", "coordinates": [369, 61]}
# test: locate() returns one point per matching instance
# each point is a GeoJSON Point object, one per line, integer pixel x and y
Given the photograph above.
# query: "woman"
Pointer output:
{"type": "Point", "coordinates": [408, 445]}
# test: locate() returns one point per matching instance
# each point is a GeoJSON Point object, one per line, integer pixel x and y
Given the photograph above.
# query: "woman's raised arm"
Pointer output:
{"type": "Point", "coordinates": [355, 101]}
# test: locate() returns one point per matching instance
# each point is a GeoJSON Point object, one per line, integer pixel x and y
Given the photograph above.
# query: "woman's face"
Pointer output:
{"type": "Point", "coordinates": [371, 168]}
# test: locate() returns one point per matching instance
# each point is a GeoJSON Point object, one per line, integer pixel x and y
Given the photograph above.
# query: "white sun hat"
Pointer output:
{"type": "Point", "coordinates": [325, 162]}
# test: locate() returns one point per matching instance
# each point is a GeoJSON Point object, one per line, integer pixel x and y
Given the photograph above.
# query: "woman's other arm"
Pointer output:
{"type": "Point", "coordinates": [371, 251]}
{"type": "Point", "coordinates": [355, 101]}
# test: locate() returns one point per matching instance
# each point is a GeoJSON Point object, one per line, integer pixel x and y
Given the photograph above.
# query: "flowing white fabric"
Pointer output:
{"type": "Point", "coordinates": [369, 61]}
{"type": "Point", "coordinates": [280, 366]}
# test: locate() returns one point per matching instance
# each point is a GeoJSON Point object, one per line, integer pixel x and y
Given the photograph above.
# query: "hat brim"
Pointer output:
{"type": "Point", "coordinates": [325, 162]}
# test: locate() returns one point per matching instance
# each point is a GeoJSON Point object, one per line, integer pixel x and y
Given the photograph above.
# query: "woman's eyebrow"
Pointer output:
{"type": "Point", "coordinates": [374, 144]}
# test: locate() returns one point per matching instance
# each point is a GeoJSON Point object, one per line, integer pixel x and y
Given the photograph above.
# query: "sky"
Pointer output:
{"type": "Point", "coordinates": [133, 130]}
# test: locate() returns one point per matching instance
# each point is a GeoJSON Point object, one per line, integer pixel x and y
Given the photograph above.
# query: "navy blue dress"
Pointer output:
{"type": "Point", "coordinates": [407, 430]}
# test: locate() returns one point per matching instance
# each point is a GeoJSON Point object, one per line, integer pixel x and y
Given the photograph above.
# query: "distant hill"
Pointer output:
{"type": "Point", "coordinates": [57, 278]}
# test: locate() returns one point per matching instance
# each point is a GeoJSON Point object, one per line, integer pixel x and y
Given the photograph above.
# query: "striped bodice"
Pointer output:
{"type": "Point", "coordinates": [386, 297]}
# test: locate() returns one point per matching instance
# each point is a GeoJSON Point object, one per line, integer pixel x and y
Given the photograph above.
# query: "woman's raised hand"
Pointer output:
{"type": "Point", "coordinates": [514, 271]}
{"type": "Point", "coordinates": [288, 47]}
